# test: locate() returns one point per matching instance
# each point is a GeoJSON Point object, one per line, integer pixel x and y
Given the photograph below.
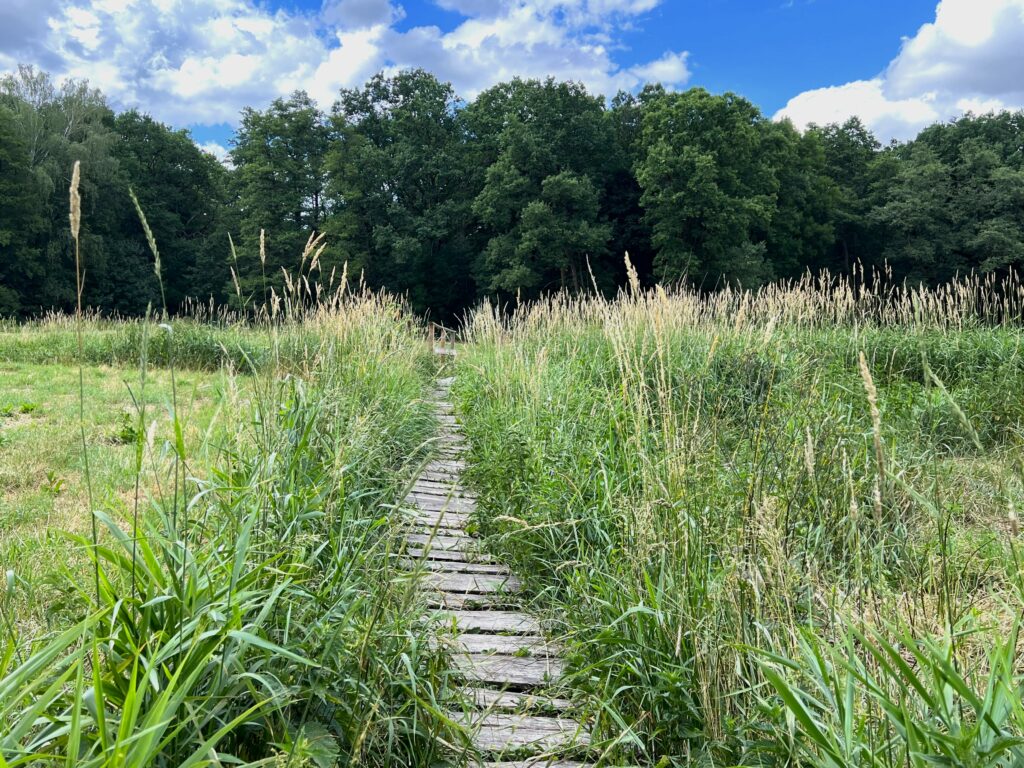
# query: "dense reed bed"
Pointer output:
{"type": "Point", "coordinates": [774, 528]}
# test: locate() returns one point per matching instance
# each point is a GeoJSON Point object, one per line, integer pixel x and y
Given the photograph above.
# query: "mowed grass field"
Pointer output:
{"type": "Point", "coordinates": [42, 484]}
{"type": "Point", "coordinates": [775, 528]}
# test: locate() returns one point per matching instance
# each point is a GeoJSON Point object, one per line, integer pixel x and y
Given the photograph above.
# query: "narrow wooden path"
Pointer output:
{"type": "Point", "coordinates": [501, 653]}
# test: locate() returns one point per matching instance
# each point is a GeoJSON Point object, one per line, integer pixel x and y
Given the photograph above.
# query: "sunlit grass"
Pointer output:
{"type": "Point", "coordinates": [41, 484]}
{"type": "Point", "coordinates": [690, 484]}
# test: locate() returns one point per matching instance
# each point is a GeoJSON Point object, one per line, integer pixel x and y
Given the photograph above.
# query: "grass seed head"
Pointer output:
{"type": "Point", "coordinates": [75, 214]}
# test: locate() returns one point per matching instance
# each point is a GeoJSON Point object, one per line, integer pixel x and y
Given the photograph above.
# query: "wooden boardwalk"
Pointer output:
{"type": "Point", "coordinates": [501, 654]}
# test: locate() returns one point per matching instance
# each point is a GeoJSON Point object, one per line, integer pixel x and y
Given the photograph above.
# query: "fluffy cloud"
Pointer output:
{"type": "Point", "coordinates": [218, 150]}
{"type": "Point", "coordinates": [524, 40]}
{"type": "Point", "coordinates": [971, 58]}
{"type": "Point", "coordinates": [201, 61]}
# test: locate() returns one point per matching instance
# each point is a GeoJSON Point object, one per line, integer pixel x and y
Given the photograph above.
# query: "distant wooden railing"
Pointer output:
{"type": "Point", "coordinates": [441, 339]}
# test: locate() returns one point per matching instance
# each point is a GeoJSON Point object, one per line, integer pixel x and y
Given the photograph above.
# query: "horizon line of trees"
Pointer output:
{"type": "Point", "coordinates": [530, 187]}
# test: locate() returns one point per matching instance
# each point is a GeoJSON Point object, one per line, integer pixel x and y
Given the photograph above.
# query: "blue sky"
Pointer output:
{"type": "Point", "coordinates": [900, 64]}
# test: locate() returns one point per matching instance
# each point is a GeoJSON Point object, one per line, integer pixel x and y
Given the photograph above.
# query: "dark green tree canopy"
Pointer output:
{"type": "Point", "coordinates": [280, 182]}
{"type": "Point", "coordinates": [398, 188]}
{"type": "Point", "coordinates": [533, 186]}
{"type": "Point", "coordinates": [548, 145]}
{"type": "Point", "coordinates": [709, 188]}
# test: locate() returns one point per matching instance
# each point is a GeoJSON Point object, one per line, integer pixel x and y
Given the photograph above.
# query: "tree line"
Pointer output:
{"type": "Point", "coordinates": [530, 187]}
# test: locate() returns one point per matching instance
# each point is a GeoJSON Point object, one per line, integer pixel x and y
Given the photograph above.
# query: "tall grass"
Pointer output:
{"type": "Point", "coordinates": [773, 527]}
{"type": "Point", "coordinates": [249, 612]}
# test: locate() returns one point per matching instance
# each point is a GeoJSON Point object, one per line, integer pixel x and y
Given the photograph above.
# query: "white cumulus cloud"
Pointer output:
{"type": "Point", "coordinates": [218, 150]}
{"type": "Point", "coordinates": [198, 62]}
{"type": "Point", "coordinates": [970, 58]}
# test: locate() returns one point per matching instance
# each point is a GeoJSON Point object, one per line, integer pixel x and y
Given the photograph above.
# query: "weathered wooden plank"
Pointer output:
{"type": "Point", "coordinates": [432, 518]}
{"type": "Point", "coordinates": [449, 555]}
{"type": "Point", "coordinates": [440, 496]}
{"type": "Point", "coordinates": [471, 582]}
{"type": "Point", "coordinates": [431, 495]}
{"type": "Point", "coordinates": [414, 509]}
{"type": "Point", "coordinates": [424, 513]}
{"type": "Point", "coordinates": [508, 670]}
{"type": "Point", "coordinates": [456, 452]}
{"type": "Point", "coordinates": [413, 505]}
{"type": "Point", "coordinates": [499, 732]}
{"type": "Point", "coordinates": [452, 452]}
{"type": "Point", "coordinates": [435, 459]}
{"type": "Point", "coordinates": [441, 527]}
{"type": "Point", "coordinates": [454, 466]}
{"type": "Point", "coordinates": [448, 444]}
{"type": "Point", "coordinates": [459, 543]}
{"type": "Point", "coordinates": [538, 763]}
{"type": "Point", "coordinates": [438, 503]}
{"type": "Point", "coordinates": [423, 529]}
{"type": "Point", "coordinates": [492, 621]}
{"type": "Point", "coordinates": [489, 698]}
{"type": "Point", "coordinates": [445, 464]}
{"type": "Point", "coordinates": [453, 484]}
{"type": "Point", "coordinates": [442, 488]}
{"type": "Point", "coordinates": [440, 476]}
{"type": "Point", "coordinates": [453, 566]}
{"type": "Point", "coordinates": [438, 487]}
{"type": "Point", "coordinates": [509, 645]}
{"type": "Point", "coordinates": [466, 601]}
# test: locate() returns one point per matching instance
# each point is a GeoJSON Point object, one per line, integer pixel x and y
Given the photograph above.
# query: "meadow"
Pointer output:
{"type": "Point", "coordinates": [770, 528]}
{"type": "Point", "coordinates": [232, 596]}
{"type": "Point", "coordinates": [774, 528]}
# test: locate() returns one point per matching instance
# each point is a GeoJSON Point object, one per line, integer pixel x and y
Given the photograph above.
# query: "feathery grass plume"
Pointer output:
{"type": "Point", "coordinates": [75, 218]}
{"type": "Point", "coordinates": [234, 281]}
{"type": "Point", "coordinates": [263, 267]}
{"type": "Point", "coordinates": [150, 240]}
{"type": "Point", "coordinates": [876, 416]}
{"type": "Point", "coordinates": [234, 271]}
{"type": "Point", "coordinates": [75, 213]}
{"type": "Point", "coordinates": [634, 277]}
{"type": "Point", "coordinates": [809, 461]}
{"type": "Point", "coordinates": [180, 480]}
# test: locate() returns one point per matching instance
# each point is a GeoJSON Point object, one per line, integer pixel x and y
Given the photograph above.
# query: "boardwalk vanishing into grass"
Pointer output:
{"type": "Point", "coordinates": [501, 654]}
